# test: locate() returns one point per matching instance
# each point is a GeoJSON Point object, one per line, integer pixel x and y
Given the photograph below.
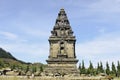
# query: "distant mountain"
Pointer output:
{"type": "Point", "coordinates": [9, 58]}
{"type": "Point", "coordinates": [7, 61]}
{"type": "Point", "coordinates": [5, 54]}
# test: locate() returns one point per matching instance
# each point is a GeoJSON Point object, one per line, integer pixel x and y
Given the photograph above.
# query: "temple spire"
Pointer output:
{"type": "Point", "coordinates": [62, 19]}
{"type": "Point", "coordinates": [62, 26]}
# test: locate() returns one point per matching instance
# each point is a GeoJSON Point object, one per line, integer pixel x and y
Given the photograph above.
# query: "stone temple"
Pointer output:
{"type": "Point", "coordinates": [62, 57]}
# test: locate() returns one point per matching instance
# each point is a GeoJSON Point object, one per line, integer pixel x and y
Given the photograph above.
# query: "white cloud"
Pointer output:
{"type": "Point", "coordinates": [109, 6]}
{"type": "Point", "coordinates": [36, 32]}
{"type": "Point", "coordinates": [103, 48]}
{"type": "Point", "coordinates": [23, 49]}
{"type": "Point", "coordinates": [8, 35]}
{"type": "Point", "coordinates": [100, 46]}
{"type": "Point", "coordinates": [29, 52]}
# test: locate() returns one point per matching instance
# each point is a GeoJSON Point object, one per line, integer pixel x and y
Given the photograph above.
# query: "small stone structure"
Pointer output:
{"type": "Point", "coordinates": [62, 58]}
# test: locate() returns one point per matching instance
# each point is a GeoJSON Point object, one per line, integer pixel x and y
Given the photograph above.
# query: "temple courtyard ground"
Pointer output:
{"type": "Point", "coordinates": [54, 78]}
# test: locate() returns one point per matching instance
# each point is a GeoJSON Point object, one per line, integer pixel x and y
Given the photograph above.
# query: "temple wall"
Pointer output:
{"type": "Point", "coordinates": [70, 50]}
{"type": "Point", "coordinates": [54, 50]}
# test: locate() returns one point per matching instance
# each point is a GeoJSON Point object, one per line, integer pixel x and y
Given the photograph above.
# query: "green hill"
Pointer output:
{"type": "Point", "coordinates": [9, 61]}
{"type": "Point", "coordinates": [5, 54]}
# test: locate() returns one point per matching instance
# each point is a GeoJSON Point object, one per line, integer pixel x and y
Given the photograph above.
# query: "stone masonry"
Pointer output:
{"type": "Point", "coordinates": [62, 57]}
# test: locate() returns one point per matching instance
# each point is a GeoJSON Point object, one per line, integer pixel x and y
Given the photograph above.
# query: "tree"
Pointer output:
{"type": "Point", "coordinates": [12, 66]}
{"type": "Point", "coordinates": [1, 63]}
{"type": "Point", "coordinates": [90, 69]}
{"type": "Point", "coordinates": [113, 69]}
{"type": "Point", "coordinates": [34, 69]}
{"type": "Point", "coordinates": [83, 70]}
{"type": "Point", "coordinates": [27, 69]}
{"type": "Point", "coordinates": [107, 68]}
{"type": "Point", "coordinates": [118, 69]}
{"type": "Point", "coordinates": [41, 68]}
{"type": "Point", "coordinates": [80, 68]}
{"type": "Point", "coordinates": [98, 69]}
{"type": "Point", "coordinates": [101, 68]}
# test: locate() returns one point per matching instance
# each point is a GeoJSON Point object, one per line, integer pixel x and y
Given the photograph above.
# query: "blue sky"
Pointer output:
{"type": "Point", "coordinates": [25, 27]}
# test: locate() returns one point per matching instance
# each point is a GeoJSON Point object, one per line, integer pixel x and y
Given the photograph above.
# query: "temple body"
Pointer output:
{"type": "Point", "coordinates": [62, 57]}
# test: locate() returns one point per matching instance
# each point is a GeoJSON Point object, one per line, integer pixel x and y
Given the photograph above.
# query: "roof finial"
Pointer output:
{"type": "Point", "coordinates": [62, 9]}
